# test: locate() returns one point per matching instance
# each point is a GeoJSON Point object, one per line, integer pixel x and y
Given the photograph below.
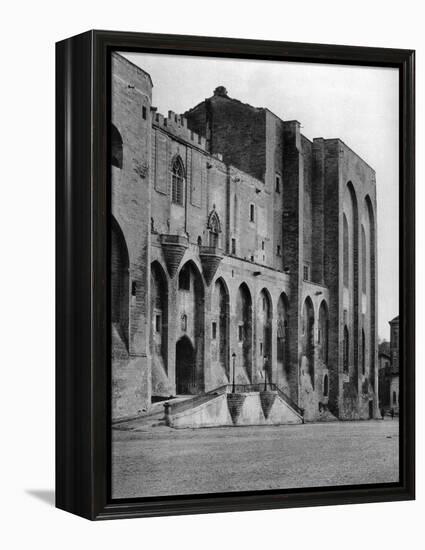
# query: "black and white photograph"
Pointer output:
{"type": "Point", "coordinates": [254, 275]}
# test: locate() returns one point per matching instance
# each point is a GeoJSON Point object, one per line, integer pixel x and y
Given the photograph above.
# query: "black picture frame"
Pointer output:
{"type": "Point", "coordinates": [82, 325]}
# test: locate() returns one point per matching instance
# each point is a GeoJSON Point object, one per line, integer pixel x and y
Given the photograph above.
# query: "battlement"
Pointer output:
{"type": "Point", "coordinates": [177, 125]}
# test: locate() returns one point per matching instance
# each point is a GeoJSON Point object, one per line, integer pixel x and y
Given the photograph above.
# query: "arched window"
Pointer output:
{"type": "Point", "coordinates": [346, 349]}
{"type": "Point", "coordinates": [214, 228]}
{"type": "Point", "coordinates": [325, 386]}
{"type": "Point", "coordinates": [177, 181]}
{"type": "Point", "coordinates": [116, 147]}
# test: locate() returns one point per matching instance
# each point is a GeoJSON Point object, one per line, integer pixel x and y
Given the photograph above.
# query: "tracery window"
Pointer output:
{"type": "Point", "coordinates": [177, 181]}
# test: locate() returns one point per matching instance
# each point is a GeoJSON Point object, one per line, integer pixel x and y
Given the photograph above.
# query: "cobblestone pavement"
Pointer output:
{"type": "Point", "coordinates": [157, 460]}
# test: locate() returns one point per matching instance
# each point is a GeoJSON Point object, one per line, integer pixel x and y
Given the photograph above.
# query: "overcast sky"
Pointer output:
{"type": "Point", "coordinates": [356, 104]}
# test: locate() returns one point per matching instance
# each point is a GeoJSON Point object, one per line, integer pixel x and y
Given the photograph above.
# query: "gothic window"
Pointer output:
{"type": "Point", "coordinates": [177, 181]}
{"type": "Point", "coordinates": [214, 228]}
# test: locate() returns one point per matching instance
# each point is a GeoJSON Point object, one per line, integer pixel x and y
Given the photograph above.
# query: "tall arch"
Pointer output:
{"type": "Point", "coordinates": [120, 265]}
{"type": "Point", "coordinates": [308, 336]}
{"type": "Point", "coordinates": [244, 324]}
{"type": "Point", "coordinates": [351, 290]}
{"type": "Point", "coordinates": [220, 324]}
{"type": "Point", "coordinates": [159, 314]}
{"type": "Point", "coordinates": [346, 252]}
{"type": "Point", "coordinates": [190, 325]}
{"type": "Point", "coordinates": [264, 329]}
{"type": "Point", "coordinates": [323, 332]}
{"type": "Point", "coordinates": [371, 289]}
{"type": "Point", "coordinates": [282, 341]}
{"type": "Point", "coordinates": [116, 147]}
{"type": "Point", "coordinates": [177, 180]}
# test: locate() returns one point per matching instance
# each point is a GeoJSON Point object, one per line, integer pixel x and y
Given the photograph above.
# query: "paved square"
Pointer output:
{"type": "Point", "coordinates": [157, 460]}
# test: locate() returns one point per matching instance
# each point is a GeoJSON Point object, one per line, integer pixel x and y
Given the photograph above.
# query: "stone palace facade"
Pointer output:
{"type": "Point", "coordinates": [238, 245]}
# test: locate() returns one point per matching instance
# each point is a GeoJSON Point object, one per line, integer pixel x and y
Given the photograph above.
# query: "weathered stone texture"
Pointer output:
{"type": "Point", "coordinates": [224, 255]}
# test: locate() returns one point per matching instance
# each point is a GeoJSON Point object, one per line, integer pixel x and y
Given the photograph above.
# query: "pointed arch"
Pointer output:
{"type": "Point", "coordinates": [120, 282]}
{"type": "Point", "coordinates": [308, 335]}
{"type": "Point", "coordinates": [177, 180]}
{"type": "Point", "coordinates": [264, 331]}
{"type": "Point", "coordinates": [323, 331]}
{"type": "Point", "coordinates": [190, 316]}
{"type": "Point", "coordinates": [244, 324]}
{"type": "Point", "coordinates": [351, 211]}
{"type": "Point", "coordinates": [159, 313]}
{"type": "Point", "coordinates": [282, 340]}
{"type": "Point", "coordinates": [371, 289]}
{"type": "Point", "coordinates": [214, 228]}
{"type": "Point", "coordinates": [220, 323]}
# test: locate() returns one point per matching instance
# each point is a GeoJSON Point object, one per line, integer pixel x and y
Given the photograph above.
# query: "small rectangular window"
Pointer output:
{"type": "Point", "coordinates": [277, 184]}
{"type": "Point", "coordinates": [251, 212]}
{"type": "Point", "coordinates": [262, 245]}
{"type": "Point", "coordinates": [133, 288]}
{"type": "Point", "coordinates": [144, 112]}
{"type": "Point", "coordinates": [261, 349]}
{"type": "Point", "coordinates": [158, 323]}
{"type": "Point", "coordinates": [252, 258]}
{"type": "Point", "coordinates": [240, 333]}
{"type": "Point", "coordinates": [233, 246]}
{"type": "Point", "coordinates": [214, 330]}
{"type": "Point", "coordinates": [306, 273]}
{"type": "Point", "coordinates": [278, 250]}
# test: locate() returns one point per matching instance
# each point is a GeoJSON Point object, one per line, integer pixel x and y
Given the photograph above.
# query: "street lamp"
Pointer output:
{"type": "Point", "coordinates": [234, 361]}
{"type": "Point", "coordinates": [265, 373]}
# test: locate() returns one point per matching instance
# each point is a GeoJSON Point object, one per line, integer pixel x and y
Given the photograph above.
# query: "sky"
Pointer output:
{"type": "Point", "coordinates": [356, 104]}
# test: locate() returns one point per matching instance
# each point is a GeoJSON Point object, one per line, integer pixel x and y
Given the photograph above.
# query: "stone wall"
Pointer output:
{"type": "Point", "coordinates": [261, 209]}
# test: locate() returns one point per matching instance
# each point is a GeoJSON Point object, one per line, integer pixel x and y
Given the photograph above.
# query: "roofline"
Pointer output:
{"type": "Point", "coordinates": [116, 54]}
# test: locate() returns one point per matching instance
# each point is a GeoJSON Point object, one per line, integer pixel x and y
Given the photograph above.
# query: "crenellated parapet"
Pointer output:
{"type": "Point", "coordinates": [177, 126]}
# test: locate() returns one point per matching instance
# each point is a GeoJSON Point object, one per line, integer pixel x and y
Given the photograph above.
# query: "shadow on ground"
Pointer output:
{"type": "Point", "coordinates": [45, 495]}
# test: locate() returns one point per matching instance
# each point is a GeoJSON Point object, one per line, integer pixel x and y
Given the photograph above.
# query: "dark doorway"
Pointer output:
{"type": "Point", "coordinates": [185, 367]}
{"type": "Point", "coordinates": [370, 409]}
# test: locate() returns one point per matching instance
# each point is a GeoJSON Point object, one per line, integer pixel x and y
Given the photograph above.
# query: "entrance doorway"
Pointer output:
{"type": "Point", "coordinates": [185, 367]}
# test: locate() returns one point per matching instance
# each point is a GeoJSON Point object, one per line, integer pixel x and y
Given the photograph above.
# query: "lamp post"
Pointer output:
{"type": "Point", "coordinates": [265, 373]}
{"type": "Point", "coordinates": [234, 361]}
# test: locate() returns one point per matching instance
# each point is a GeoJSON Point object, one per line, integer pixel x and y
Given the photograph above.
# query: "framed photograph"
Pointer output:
{"type": "Point", "coordinates": [235, 275]}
